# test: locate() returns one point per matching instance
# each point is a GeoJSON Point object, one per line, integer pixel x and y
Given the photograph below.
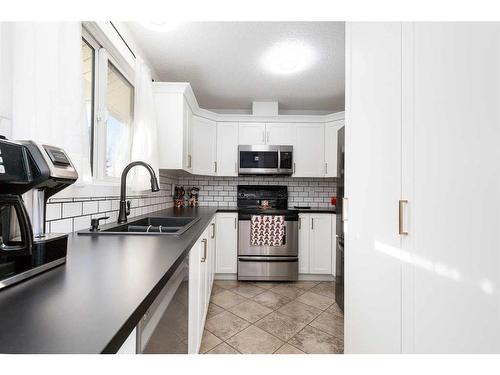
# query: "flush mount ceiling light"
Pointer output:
{"type": "Point", "coordinates": [288, 57]}
{"type": "Point", "coordinates": [160, 26]}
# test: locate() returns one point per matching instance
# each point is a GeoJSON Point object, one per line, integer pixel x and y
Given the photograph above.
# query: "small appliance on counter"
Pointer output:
{"type": "Point", "coordinates": [25, 248]}
{"type": "Point", "coordinates": [273, 259]}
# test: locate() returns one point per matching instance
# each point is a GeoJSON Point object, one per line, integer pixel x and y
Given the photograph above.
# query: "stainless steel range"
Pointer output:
{"type": "Point", "coordinates": [265, 262]}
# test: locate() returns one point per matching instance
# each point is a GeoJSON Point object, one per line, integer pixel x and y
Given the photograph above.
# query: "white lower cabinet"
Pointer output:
{"type": "Point", "coordinates": [200, 285]}
{"type": "Point", "coordinates": [227, 242]}
{"type": "Point", "coordinates": [315, 243]}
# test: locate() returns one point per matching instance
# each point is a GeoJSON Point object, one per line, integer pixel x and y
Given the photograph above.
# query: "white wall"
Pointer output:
{"type": "Point", "coordinates": [5, 80]}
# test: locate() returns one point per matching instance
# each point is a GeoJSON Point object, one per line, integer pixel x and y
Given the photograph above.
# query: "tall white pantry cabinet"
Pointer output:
{"type": "Point", "coordinates": [422, 234]}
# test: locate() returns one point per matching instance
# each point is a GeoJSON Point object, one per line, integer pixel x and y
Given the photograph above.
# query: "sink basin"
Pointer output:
{"type": "Point", "coordinates": [151, 226]}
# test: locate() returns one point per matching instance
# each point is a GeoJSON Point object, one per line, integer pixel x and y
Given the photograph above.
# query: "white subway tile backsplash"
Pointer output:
{"type": "Point", "coordinates": [72, 209]}
{"type": "Point", "coordinates": [90, 207]}
{"type": "Point", "coordinates": [82, 222]}
{"type": "Point", "coordinates": [61, 226]}
{"type": "Point", "coordinates": [53, 211]}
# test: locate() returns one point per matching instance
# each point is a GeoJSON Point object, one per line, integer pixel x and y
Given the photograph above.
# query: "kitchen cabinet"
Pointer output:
{"type": "Point", "coordinates": [331, 129]}
{"type": "Point", "coordinates": [411, 153]}
{"type": "Point", "coordinates": [279, 134]}
{"type": "Point", "coordinates": [227, 242]}
{"type": "Point", "coordinates": [315, 243]}
{"type": "Point", "coordinates": [204, 146]}
{"type": "Point", "coordinates": [252, 133]}
{"type": "Point", "coordinates": [174, 123]}
{"type": "Point", "coordinates": [201, 274]}
{"type": "Point", "coordinates": [227, 149]}
{"type": "Point", "coordinates": [309, 150]}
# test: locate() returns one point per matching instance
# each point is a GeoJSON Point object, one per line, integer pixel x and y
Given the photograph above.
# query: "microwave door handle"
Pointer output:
{"type": "Point", "coordinates": [279, 161]}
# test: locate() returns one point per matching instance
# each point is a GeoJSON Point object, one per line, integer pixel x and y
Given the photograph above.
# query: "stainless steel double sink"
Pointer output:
{"type": "Point", "coordinates": [149, 226]}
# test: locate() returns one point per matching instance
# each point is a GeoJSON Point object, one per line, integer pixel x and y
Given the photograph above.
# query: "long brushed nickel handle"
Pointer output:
{"type": "Point", "coordinates": [205, 245]}
{"type": "Point", "coordinates": [402, 205]}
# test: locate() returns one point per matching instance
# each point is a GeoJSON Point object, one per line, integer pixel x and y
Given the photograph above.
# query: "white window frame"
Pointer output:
{"type": "Point", "coordinates": [102, 57]}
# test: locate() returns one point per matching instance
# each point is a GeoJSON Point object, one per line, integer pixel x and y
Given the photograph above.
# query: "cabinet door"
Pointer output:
{"type": "Point", "coordinates": [213, 254]}
{"type": "Point", "coordinates": [331, 129]}
{"type": "Point", "coordinates": [195, 298]}
{"type": "Point", "coordinates": [252, 133]}
{"type": "Point", "coordinates": [373, 187]}
{"type": "Point", "coordinates": [320, 244]}
{"type": "Point", "coordinates": [187, 152]}
{"type": "Point", "coordinates": [279, 134]}
{"type": "Point", "coordinates": [304, 220]}
{"type": "Point", "coordinates": [227, 236]}
{"type": "Point", "coordinates": [227, 149]}
{"type": "Point", "coordinates": [309, 154]}
{"type": "Point", "coordinates": [204, 146]}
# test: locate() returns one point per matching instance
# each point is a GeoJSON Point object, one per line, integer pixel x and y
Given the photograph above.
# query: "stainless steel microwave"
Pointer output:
{"type": "Point", "coordinates": [265, 159]}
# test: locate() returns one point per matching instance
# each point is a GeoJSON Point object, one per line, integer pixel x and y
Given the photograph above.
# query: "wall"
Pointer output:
{"type": "Point", "coordinates": [221, 191]}
{"type": "Point", "coordinates": [73, 214]}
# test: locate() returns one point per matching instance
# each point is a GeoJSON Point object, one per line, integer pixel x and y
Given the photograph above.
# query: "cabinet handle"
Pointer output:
{"type": "Point", "coordinates": [235, 223]}
{"type": "Point", "coordinates": [402, 205]}
{"type": "Point", "coordinates": [344, 209]}
{"type": "Point", "coordinates": [326, 168]}
{"type": "Point", "coordinates": [213, 230]}
{"type": "Point", "coordinates": [205, 245]}
{"type": "Point", "coordinates": [312, 223]}
{"type": "Point", "coordinates": [215, 167]}
{"type": "Point", "coordinates": [293, 167]}
{"type": "Point", "coordinates": [300, 222]}
{"type": "Point", "coordinates": [189, 161]}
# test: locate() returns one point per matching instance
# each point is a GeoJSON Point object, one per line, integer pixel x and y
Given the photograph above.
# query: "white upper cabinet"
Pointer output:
{"type": "Point", "coordinates": [187, 152]}
{"type": "Point", "coordinates": [331, 129]}
{"type": "Point", "coordinates": [252, 133]}
{"type": "Point", "coordinates": [279, 134]}
{"type": "Point", "coordinates": [309, 150]}
{"type": "Point", "coordinates": [204, 146]}
{"type": "Point", "coordinates": [227, 149]}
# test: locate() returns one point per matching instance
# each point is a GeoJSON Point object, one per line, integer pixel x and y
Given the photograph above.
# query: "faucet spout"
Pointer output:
{"type": "Point", "coordinates": [124, 209]}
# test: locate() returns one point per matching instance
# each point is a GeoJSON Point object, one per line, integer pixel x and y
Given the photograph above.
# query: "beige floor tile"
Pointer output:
{"type": "Point", "coordinates": [303, 284]}
{"type": "Point", "coordinates": [226, 325]}
{"type": "Point", "coordinates": [300, 311]}
{"type": "Point", "coordinates": [280, 325]}
{"type": "Point", "coordinates": [250, 310]}
{"type": "Point", "coordinates": [209, 341]}
{"type": "Point", "coordinates": [227, 299]}
{"type": "Point", "coordinates": [271, 300]}
{"type": "Point", "coordinates": [213, 310]}
{"type": "Point", "coordinates": [326, 289]}
{"type": "Point", "coordinates": [335, 310]}
{"type": "Point", "coordinates": [332, 324]}
{"type": "Point", "coordinates": [288, 291]}
{"type": "Point", "coordinates": [223, 349]}
{"type": "Point", "coordinates": [217, 289]}
{"type": "Point", "coordinates": [247, 290]}
{"type": "Point", "coordinates": [227, 284]}
{"type": "Point", "coordinates": [288, 349]}
{"type": "Point", "coordinates": [316, 300]}
{"type": "Point", "coordinates": [253, 340]}
{"type": "Point", "coordinates": [265, 284]}
{"type": "Point", "coordinates": [313, 341]}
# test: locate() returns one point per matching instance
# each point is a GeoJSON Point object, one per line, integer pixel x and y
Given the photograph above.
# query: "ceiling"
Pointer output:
{"type": "Point", "coordinates": [223, 63]}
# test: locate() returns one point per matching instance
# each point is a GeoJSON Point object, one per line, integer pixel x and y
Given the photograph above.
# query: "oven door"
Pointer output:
{"type": "Point", "coordinates": [268, 268]}
{"type": "Point", "coordinates": [289, 248]}
{"type": "Point", "coordinates": [258, 159]}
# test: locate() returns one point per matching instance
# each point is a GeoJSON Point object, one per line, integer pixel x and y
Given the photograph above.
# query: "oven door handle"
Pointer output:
{"type": "Point", "coordinates": [268, 259]}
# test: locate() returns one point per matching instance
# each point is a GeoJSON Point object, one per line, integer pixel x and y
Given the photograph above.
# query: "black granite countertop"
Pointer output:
{"type": "Point", "coordinates": [93, 302]}
{"type": "Point", "coordinates": [325, 210]}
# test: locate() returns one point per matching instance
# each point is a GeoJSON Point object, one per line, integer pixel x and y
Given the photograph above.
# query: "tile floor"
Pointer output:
{"type": "Point", "coordinates": [271, 317]}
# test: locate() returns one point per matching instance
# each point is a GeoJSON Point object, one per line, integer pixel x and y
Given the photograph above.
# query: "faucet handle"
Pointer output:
{"type": "Point", "coordinates": [94, 223]}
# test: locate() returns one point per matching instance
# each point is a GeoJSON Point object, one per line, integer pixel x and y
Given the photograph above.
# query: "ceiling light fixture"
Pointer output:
{"type": "Point", "coordinates": [160, 26]}
{"type": "Point", "coordinates": [288, 57]}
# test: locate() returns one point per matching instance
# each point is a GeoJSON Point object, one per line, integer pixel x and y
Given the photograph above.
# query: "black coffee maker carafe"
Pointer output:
{"type": "Point", "coordinates": [26, 166]}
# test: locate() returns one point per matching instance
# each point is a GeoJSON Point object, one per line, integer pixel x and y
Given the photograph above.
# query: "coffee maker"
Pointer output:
{"type": "Point", "coordinates": [42, 170]}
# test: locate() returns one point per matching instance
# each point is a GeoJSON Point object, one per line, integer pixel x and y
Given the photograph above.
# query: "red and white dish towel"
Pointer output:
{"type": "Point", "coordinates": [267, 230]}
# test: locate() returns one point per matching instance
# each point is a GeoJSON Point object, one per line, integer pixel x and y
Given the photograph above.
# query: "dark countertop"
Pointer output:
{"type": "Point", "coordinates": [324, 210]}
{"type": "Point", "coordinates": [93, 302]}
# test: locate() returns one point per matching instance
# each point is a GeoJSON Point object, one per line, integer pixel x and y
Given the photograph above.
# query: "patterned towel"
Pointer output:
{"type": "Point", "coordinates": [267, 230]}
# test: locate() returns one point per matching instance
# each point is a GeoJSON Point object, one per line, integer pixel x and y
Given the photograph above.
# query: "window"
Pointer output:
{"type": "Point", "coordinates": [109, 101]}
{"type": "Point", "coordinates": [120, 105]}
{"type": "Point", "coordinates": [88, 55]}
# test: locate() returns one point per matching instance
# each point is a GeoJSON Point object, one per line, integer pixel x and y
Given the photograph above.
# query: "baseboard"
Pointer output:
{"type": "Point", "coordinates": [302, 276]}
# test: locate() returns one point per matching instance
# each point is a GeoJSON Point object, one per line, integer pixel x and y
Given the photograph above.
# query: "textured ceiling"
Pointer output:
{"type": "Point", "coordinates": [222, 61]}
